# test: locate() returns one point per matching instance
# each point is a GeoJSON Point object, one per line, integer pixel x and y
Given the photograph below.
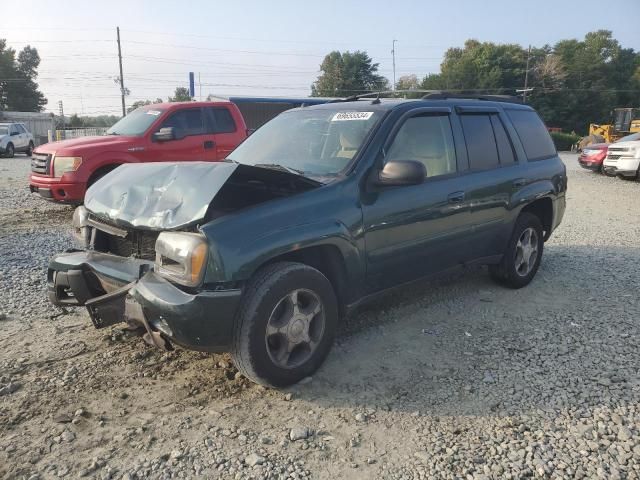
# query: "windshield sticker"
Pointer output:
{"type": "Point", "coordinates": [155, 113]}
{"type": "Point", "coordinates": [343, 116]}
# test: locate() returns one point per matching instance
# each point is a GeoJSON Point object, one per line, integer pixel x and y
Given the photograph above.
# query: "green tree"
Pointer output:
{"type": "Point", "coordinates": [18, 89]}
{"type": "Point", "coordinates": [575, 82]}
{"type": "Point", "coordinates": [142, 103]}
{"type": "Point", "coordinates": [348, 73]}
{"type": "Point", "coordinates": [181, 95]}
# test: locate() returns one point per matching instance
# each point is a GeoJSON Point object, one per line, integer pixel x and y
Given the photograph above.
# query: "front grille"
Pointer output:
{"type": "Point", "coordinates": [613, 157]}
{"type": "Point", "coordinates": [41, 163]}
{"type": "Point", "coordinates": [136, 244]}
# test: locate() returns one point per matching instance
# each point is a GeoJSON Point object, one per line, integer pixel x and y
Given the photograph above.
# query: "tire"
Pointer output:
{"type": "Point", "coordinates": [29, 150]}
{"type": "Point", "coordinates": [511, 272]}
{"type": "Point", "coordinates": [10, 151]}
{"type": "Point", "coordinates": [267, 306]}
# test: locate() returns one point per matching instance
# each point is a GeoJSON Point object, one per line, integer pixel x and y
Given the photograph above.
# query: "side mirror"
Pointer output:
{"type": "Point", "coordinates": [165, 134]}
{"type": "Point", "coordinates": [401, 172]}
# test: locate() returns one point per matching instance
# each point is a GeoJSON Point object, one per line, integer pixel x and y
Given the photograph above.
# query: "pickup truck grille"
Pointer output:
{"type": "Point", "coordinates": [41, 163]}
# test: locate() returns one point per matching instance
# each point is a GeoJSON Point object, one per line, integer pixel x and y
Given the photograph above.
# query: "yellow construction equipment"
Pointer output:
{"type": "Point", "coordinates": [624, 122]}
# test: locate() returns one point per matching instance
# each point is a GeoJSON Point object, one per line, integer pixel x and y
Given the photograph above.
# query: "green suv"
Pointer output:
{"type": "Point", "coordinates": [322, 208]}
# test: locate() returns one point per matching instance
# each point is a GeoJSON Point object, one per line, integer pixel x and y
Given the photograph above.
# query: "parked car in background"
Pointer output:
{"type": "Point", "coordinates": [623, 157]}
{"type": "Point", "coordinates": [182, 131]}
{"type": "Point", "coordinates": [319, 210]}
{"type": "Point", "coordinates": [592, 156]}
{"type": "Point", "coordinates": [14, 137]}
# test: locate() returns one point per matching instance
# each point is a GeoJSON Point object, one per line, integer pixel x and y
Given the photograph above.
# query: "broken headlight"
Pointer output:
{"type": "Point", "coordinates": [80, 230]}
{"type": "Point", "coordinates": [181, 257]}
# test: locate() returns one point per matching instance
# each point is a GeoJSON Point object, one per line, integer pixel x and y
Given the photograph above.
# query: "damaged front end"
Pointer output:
{"type": "Point", "coordinates": [142, 259]}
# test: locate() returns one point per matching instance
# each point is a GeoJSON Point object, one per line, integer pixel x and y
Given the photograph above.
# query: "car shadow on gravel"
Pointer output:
{"type": "Point", "coordinates": [463, 345]}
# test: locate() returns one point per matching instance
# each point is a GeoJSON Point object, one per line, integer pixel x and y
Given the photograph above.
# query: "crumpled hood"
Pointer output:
{"type": "Point", "coordinates": [158, 196]}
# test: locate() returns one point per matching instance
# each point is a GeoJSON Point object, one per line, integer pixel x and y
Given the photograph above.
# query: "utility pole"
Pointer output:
{"type": "Point", "coordinates": [124, 110]}
{"type": "Point", "coordinates": [526, 76]}
{"type": "Point", "coordinates": [61, 111]}
{"type": "Point", "coordinates": [393, 54]}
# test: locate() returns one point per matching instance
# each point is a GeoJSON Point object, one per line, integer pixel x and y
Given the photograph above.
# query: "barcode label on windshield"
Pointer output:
{"type": "Point", "coordinates": [343, 116]}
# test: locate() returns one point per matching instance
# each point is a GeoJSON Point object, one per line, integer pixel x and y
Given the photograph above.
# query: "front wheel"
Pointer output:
{"type": "Point", "coordinates": [29, 150]}
{"type": "Point", "coordinates": [523, 254]}
{"type": "Point", "coordinates": [10, 150]}
{"type": "Point", "coordinates": [286, 324]}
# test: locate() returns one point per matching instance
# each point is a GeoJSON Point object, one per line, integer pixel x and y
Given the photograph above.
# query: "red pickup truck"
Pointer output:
{"type": "Point", "coordinates": [209, 131]}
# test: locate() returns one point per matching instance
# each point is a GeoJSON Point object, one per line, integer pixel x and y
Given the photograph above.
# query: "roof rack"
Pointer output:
{"type": "Point", "coordinates": [442, 95]}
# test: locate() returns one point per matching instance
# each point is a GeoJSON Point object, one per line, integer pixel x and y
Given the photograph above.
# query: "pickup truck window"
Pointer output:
{"type": "Point", "coordinates": [186, 122]}
{"type": "Point", "coordinates": [219, 120]}
{"type": "Point", "coordinates": [318, 142]}
{"type": "Point", "coordinates": [427, 139]}
{"type": "Point", "coordinates": [481, 142]}
{"type": "Point", "coordinates": [135, 123]}
{"type": "Point", "coordinates": [533, 134]}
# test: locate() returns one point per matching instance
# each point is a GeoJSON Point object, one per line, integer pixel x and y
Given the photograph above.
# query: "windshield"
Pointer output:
{"type": "Point", "coordinates": [629, 138]}
{"type": "Point", "coordinates": [312, 142]}
{"type": "Point", "coordinates": [135, 123]}
{"type": "Point", "coordinates": [4, 131]}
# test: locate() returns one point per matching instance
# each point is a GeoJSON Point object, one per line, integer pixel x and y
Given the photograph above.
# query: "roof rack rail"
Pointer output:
{"type": "Point", "coordinates": [353, 98]}
{"type": "Point", "coordinates": [443, 95]}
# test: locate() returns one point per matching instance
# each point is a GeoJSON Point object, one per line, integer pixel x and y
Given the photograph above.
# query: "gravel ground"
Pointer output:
{"type": "Point", "coordinates": [456, 378]}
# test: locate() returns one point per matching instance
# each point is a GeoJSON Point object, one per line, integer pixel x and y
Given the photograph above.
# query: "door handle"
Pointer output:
{"type": "Point", "coordinates": [209, 144]}
{"type": "Point", "coordinates": [456, 197]}
{"type": "Point", "coordinates": [520, 182]}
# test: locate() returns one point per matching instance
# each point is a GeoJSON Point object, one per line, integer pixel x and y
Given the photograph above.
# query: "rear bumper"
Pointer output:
{"type": "Point", "coordinates": [117, 289]}
{"type": "Point", "coordinates": [590, 165]}
{"type": "Point", "coordinates": [53, 189]}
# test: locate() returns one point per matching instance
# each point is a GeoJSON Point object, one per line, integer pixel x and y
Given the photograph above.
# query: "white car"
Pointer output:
{"type": "Point", "coordinates": [14, 137]}
{"type": "Point", "coordinates": [623, 157]}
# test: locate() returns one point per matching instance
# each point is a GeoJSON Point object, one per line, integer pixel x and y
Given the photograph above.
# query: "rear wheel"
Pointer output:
{"type": "Point", "coordinates": [523, 254]}
{"type": "Point", "coordinates": [10, 151]}
{"type": "Point", "coordinates": [286, 324]}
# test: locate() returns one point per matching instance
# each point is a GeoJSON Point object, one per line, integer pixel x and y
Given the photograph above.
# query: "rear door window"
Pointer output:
{"type": "Point", "coordinates": [481, 141]}
{"type": "Point", "coordinates": [535, 139]}
{"type": "Point", "coordinates": [186, 122]}
{"type": "Point", "coordinates": [219, 120]}
{"type": "Point", "coordinates": [427, 139]}
{"type": "Point", "coordinates": [505, 149]}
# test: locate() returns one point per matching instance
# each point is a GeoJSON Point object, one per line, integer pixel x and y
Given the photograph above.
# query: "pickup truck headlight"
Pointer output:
{"type": "Point", "coordinates": [181, 257]}
{"type": "Point", "coordinates": [80, 230]}
{"type": "Point", "coordinates": [63, 165]}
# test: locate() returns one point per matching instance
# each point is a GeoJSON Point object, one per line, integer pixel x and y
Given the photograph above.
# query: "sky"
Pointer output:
{"type": "Point", "coordinates": [270, 48]}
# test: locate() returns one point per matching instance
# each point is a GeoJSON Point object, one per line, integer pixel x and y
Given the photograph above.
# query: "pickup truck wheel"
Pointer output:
{"type": "Point", "coordinates": [29, 150]}
{"type": "Point", "coordinates": [285, 325]}
{"type": "Point", "coordinates": [10, 151]}
{"type": "Point", "coordinates": [523, 255]}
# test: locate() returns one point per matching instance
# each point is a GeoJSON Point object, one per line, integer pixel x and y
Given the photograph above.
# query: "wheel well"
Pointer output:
{"type": "Point", "coordinates": [101, 172]}
{"type": "Point", "coordinates": [543, 209]}
{"type": "Point", "coordinates": [329, 261]}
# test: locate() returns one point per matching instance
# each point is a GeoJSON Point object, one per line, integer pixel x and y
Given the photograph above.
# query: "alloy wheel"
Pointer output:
{"type": "Point", "coordinates": [526, 251]}
{"type": "Point", "coordinates": [295, 328]}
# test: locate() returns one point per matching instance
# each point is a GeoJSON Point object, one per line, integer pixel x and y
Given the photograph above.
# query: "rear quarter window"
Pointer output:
{"type": "Point", "coordinates": [533, 134]}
